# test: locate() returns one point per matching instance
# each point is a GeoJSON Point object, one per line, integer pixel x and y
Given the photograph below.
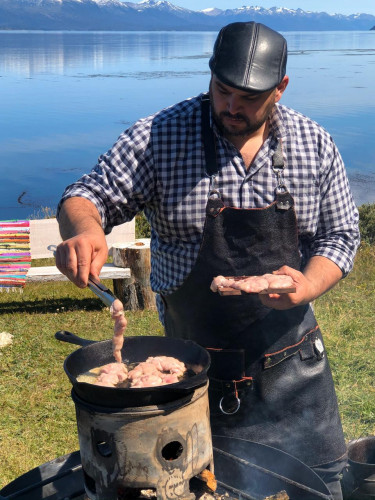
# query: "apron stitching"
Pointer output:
{"type": "Point", "coordinates": [254, 209]}
{"type": "Point", "coordinates": [243, 379]}
{"type": "Point", "coordinates": [294, 345]}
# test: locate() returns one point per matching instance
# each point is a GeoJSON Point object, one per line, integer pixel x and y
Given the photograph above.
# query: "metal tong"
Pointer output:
{"type": "Point", "coordinates": [101, 291]}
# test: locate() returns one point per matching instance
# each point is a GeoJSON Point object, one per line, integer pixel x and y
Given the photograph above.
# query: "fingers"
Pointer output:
{"type": "Point", "coordinates": [279, 302]}
{"type": "Point", "coordinates": [98, 260]}
{"type": "Point", "coordinates": [77, 257]}
{"type": "Point", "coordinates": [289, 300]}
{"type": "Point", "coordinates": [74, 262]}
{"type": "Point", "coordinates": [289, 271]}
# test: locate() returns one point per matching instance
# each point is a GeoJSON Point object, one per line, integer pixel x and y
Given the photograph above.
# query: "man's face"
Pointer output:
{"type": "Point", "coordinates": [238, 113]}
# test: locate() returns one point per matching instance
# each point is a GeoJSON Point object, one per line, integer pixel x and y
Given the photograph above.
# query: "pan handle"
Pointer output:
{"type": "Point", "coordinates": [71, 338]}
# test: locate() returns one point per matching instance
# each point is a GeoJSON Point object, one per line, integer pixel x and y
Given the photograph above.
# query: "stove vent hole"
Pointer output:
{"type": "Point", "coordinates": [104, 449]}
{"type": "Point", "coordinates": [172, 450]}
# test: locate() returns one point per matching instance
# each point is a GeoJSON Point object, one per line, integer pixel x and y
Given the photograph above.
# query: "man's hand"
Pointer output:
{"type": "Point", "coordinates": [84, 250]}
{"type": "Point", "coordinates": [318, 277]}
{"type": "Point", "coordinates": [80, 256]}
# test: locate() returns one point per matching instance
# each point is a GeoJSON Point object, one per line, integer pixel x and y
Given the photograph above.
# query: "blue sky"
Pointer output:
{"type": "Point", "coordinates": [330, 6]}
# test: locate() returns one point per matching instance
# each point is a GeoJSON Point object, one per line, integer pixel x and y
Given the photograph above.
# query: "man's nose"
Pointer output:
{"type": "Point", "coordinates": [233, 104]}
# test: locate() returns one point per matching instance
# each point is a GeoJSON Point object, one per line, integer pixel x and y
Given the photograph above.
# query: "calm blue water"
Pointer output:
{"type": "Point", "coordinates": [65, 97]}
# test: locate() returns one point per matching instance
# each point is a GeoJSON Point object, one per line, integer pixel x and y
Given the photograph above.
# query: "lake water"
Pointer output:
{"type": "Point", "coordinates": [66, 96]}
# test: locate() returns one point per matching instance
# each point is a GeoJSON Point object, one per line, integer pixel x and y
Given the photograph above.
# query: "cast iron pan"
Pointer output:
{"type": "Point", "coordinates": [135, 349]}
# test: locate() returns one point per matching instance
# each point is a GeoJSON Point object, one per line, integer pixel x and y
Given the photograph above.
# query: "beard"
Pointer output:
{"type": "Point", "coordinates": [249, 126]}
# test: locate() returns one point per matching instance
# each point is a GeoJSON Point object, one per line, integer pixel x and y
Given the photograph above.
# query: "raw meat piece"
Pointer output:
{"type": "Point", "coordinates": [107, 380]}
{"type": "Point", "coordinates": [158, 370]}
{"type": "Point", "coordinates": [112, 374]}
{"type": "Point", "coordinates": [279, 281]}
{"type": "Point", "coordinates": [142, 369]}
{"type": "Point", "coordinates": [152, 380]}
{"type": "Point", "coordinates": [117, 313]}
{"type": "Point", "coordinates": [167, 364]}
{"type": "Point", "coordinates": [254, 284]}
{"type": "Point", "coordinates": [221, 281]}
{"type": "Point", "coordinates": [169, 378]}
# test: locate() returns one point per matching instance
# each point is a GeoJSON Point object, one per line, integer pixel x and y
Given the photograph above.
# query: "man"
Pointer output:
{"type": "Point", "coordinates": [235, 184]}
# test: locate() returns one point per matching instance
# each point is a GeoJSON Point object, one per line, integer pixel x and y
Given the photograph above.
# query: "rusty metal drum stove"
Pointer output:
{"type": "Point", "coordinates": [149, 447]}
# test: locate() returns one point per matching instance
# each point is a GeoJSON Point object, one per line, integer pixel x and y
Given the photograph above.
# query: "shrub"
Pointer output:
{"type": "Point", "coordinates": [367, 222]}
{"type": "Point", "coordinates": [142, 226]}
{"type": "Point", "coordinates": [43, 213]}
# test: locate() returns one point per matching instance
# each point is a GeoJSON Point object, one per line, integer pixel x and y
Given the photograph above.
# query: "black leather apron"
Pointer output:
{"type": "Point", "coordinates": [270, 380]}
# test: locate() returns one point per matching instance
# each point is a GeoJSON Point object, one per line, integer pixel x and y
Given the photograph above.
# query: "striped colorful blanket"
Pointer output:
{"type": "Point", "coordinates": [15, 256]}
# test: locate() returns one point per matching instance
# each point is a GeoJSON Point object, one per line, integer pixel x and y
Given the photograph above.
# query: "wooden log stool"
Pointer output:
{"type": "Point", "coordinates": [135, 292]}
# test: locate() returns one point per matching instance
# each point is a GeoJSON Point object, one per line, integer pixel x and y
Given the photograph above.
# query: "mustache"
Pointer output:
{"type": "Point", "coordinates": [236, 116]}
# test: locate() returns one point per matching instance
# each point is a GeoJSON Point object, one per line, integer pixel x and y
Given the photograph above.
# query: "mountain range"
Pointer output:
{"type": "Point", "coordinates": [154, 15]}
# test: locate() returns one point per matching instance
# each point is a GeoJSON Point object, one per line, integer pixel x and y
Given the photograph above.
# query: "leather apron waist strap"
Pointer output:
{"type": "Point", "coordinates": [229, 362]}
{"type": "Point", "coordinates": [230, 401]}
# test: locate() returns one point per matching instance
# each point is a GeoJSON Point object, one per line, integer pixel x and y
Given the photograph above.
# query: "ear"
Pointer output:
{"type": "Point", "coordinates": [281, 88]}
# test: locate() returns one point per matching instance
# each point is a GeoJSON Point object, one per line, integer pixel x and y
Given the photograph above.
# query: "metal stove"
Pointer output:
{"type": "Point", "coordinates": [243, 469]}
{"type": "Point", "coordinates": [151, 447]}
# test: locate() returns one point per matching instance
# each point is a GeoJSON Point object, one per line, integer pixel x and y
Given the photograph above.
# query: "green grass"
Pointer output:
{"type": "Point", "coordinates": [37, 415]}
{"type": "Point", "coordinates": [347, 318]}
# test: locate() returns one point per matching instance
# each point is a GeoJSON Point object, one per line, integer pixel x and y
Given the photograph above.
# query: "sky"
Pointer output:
{"type": "Point", "coordinates": [330, 6]}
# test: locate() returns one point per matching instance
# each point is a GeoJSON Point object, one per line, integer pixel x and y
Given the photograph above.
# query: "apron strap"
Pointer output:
{"type": "Point", "coordinates": [208, 138]}
{"type": "Point", "coordinates": [284, 200]}
{"type": "Point", "coordinates": [277, 158]}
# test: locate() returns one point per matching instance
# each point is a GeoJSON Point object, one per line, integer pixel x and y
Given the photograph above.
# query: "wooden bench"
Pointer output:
{"type": "Point", "coordinates": [130, 270]}
{"type": "Point", "coordinates": [45, 274]}
{"type": "Point", "coordinates": [44, 238]}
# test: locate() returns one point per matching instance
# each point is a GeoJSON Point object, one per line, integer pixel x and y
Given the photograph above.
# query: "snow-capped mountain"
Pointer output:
{"type": "Point", "coordinates": [161, 15]}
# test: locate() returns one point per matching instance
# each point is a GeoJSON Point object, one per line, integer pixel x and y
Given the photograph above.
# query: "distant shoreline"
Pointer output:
{"type": "Point", "coordinates": [151, 15]}
{"type": "Point", "coordinates": [211, 30]}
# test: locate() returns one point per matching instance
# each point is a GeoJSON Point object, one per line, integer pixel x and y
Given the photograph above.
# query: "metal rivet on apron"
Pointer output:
{"type": "Point", "coordinates": [319, 349]}
{"type": "Point", "coordinates": [284, 205]}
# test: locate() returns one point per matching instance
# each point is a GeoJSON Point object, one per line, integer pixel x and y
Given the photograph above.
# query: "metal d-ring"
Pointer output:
{"type": "Point", "coordinates": [214, 193]}
{"type": "Point", "coordinates": [229, 412]}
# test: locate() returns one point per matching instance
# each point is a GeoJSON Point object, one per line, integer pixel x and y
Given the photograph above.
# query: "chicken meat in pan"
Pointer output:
{"type": "Point", "coordinates": [155, 371]}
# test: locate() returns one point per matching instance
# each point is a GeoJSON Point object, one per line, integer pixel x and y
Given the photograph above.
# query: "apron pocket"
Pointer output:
{"type": "Point", "coordinates": [227, 380]}
{"type": "Point", "coordinates": [309, 346]}
{"type": "Point", "coordinates": [226, 364]}
{"type": "Point", "coordinates": [297, 371]}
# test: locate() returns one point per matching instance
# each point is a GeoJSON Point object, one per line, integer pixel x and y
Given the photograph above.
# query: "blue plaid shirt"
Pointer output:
{"type": "Point", "coordinates": [158, 166]}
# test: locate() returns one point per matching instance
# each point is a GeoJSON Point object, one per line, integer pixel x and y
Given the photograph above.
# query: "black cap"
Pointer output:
{"type": "Point", "coordinates": [249, 56]}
